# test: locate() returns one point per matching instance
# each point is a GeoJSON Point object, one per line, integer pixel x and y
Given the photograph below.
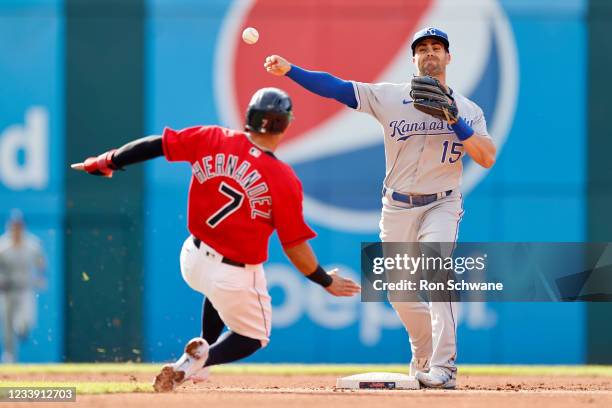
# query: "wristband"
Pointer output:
{"type": "Point", "coordinates": [462, 129]}
{"type": "Point", "coordinates": [321, 277]}
{"type": "Point", "coordinates": [105, 161]}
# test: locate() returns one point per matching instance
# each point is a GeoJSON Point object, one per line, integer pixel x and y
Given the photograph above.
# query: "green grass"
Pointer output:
{"type": "Point", "coordinates": [304, 369]}
{"type": "Point", "coordinates": [346, 369]}
{"type": "Point", "coordinates": [71, 368]}
{"type": "Point", "coordinates": [537, 370]}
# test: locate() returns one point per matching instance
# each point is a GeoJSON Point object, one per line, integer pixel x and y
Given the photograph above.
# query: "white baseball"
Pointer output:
{"type": "Point", "coordinates": [250, 35]}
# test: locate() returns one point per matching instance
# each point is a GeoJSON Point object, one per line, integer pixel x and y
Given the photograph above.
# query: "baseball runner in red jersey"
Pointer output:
{"type": "Point", "coordinates": [239, 194]}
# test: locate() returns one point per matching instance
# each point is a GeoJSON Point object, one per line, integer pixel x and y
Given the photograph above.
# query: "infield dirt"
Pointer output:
{"type": "Point", "coordinates": [296, 391]}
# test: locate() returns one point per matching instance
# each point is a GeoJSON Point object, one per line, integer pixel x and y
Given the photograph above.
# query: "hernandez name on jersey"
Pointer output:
{"type": "Point", "coordinates": [229, 171]}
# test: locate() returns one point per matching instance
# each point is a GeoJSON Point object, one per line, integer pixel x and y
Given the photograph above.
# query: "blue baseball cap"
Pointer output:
{"type": "Point", "coordinates": [430, 32]}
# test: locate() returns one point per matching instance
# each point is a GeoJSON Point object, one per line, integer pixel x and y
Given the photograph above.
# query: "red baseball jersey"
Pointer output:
{"type": "Point", "coordinates": [239, 193]}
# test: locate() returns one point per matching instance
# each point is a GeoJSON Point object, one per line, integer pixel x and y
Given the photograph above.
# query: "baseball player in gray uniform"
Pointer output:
{"type": "Point", "coordinates": [22, 264]}
{"type": "Point", "coordinates": [421, 197]}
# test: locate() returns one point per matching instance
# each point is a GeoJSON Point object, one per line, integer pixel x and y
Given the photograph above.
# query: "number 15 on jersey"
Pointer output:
{"type": "Point", "coordinates": [451, 152]}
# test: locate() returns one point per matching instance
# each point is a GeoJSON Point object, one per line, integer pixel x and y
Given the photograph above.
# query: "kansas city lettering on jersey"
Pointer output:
{"type": "Point", "coordinates": [222, 166]}
{"type": "Point", "coordinates": [405, 129]}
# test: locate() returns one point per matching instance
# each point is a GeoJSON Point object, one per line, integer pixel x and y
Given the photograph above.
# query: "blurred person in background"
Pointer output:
{"type": "Point", "coordinates": [22, 266]}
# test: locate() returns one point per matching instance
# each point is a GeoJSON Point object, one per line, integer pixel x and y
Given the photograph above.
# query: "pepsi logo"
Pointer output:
{"type": "Point", "coordinates": [338, 153]}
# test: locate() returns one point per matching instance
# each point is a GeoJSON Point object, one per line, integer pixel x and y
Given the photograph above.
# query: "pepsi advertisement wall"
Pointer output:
{"type": "Point", "coordinates": [31, 151]}
{"type": "Point", "coordinates": [199, 72]}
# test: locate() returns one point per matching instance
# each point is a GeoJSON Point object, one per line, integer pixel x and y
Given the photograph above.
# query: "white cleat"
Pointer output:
{"type": "Point", "coordinates": [192, 361]}
{"type": "Point", "coordinates": [418, 364]}
{"type": "Point", "coordinates": [437, 378]}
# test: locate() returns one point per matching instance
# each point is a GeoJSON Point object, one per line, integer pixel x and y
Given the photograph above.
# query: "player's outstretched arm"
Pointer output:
{"type": "Point", "coordinates": [136, 151]}
{"type": "Point", "coordinates": [305, 261]}
{"type": "Point", "coordinates": [318, 82]}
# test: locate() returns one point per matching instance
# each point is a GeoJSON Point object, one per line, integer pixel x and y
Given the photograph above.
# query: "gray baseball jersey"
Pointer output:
{"type": "Point", "coordinates": [17, 298]}
{"type": "Point", "coordinates": [18, 263]}
{"type": "Point", "coordinates": [423, 154]}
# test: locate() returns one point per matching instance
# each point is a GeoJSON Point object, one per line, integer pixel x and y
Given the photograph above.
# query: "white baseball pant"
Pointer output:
{"type": "Point", "coordinates": [432, 327]}
{"type": "Point", "coordinates": [239, 294]}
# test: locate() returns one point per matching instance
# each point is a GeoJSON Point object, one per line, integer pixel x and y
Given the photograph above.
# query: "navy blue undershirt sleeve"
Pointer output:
{"type": "Point", "coordinates": [324, 84]}
{"type": "Point", "coordinates": [138, 151]}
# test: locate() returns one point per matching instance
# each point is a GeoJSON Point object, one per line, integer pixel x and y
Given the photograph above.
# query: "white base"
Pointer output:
{"type": "Point", "coordinates": [378, 381]}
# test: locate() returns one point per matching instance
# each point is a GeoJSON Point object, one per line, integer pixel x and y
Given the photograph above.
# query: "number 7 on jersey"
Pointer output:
{"type": "Point", "coordinates": [236, 198]}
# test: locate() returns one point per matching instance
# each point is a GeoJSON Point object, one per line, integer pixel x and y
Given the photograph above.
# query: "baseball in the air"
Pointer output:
{"type": "Point", "coordinates": [250, 35]}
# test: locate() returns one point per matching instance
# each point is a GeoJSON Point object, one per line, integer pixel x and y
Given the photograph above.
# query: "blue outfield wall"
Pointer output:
{"type": "Point", "coordinates": [31, 150]}
{"type": "Point", "coordinates": [506, 55]}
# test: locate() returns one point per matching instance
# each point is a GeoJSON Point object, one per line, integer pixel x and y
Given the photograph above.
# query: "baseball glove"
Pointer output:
{"type": "Point", "coordinates": [431, 97]}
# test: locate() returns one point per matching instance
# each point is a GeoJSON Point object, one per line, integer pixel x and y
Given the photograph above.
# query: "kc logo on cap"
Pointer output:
{"type": "Point", "coordinates": [430, 32]}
